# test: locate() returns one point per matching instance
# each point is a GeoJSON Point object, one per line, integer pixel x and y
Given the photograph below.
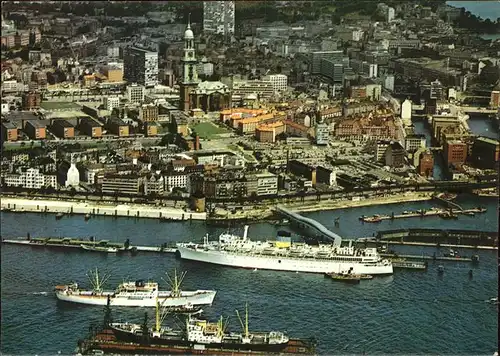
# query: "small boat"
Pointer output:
{"type": "Point", "coordinates": [99, 248]}
{"type": "Point", "coordinates": [448, 216]}
{"type": "Point", "coordinates": [373, 219]}
{"type": "Point", "coordinates": [59, 216]}
{"type": "Point", "coordinates": [348, 277]}
{"type": "Point", "coordinates": [493, 300]}
{"type": "Point", "coordinates": [87, 217]}
{"type": "Point", "coordinates": [440, 269]}
{"type": "Point", "coordinates": [451, 253]}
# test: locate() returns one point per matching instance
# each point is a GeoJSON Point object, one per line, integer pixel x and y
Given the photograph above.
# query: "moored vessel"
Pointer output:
{"type": "Point", "coordinates": [198, 336]}
{"type": "Point", "coordinates": [282, 255]}
{"type": "Point", "coordinates": [348, 277]}
{"type": "Point", "coordinates": [134, 294]}
{"type": "Point", "coordinates": [97, 248]}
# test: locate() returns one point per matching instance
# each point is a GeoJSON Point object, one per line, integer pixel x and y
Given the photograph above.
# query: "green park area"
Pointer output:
{"type": "Point", "coordinates": [207, 130]}
{"type": "Point", "coordinates": [58, 105]}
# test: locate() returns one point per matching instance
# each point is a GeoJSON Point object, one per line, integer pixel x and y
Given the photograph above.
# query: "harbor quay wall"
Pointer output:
{"type": "Point", "coordinates": [123, 210]}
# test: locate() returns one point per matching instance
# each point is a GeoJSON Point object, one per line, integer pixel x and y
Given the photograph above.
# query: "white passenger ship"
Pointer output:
{"type": "Point", "coordinates": [236, 251]}
{"type": "Point", "coordinates": [134, 294]}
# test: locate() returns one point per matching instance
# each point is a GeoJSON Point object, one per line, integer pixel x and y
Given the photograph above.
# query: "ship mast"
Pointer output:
{"type": "Point", "coordinates": [158, 323]}
{"type": "Point", "coordinates": [176, 283]}
{"type": "Point", "coordinates": [244, 326]}
{"type": "Point", "coordinates": [97, 282]}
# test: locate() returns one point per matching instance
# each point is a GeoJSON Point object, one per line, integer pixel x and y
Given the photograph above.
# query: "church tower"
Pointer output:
{"type": "Point", "coordinates": [189, 79]}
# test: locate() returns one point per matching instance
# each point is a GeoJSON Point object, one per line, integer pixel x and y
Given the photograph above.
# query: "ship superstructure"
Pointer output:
{"type": "Point", "coordinates": [134, 294]}
{"type": "Point", "coordinates": [283, 255]}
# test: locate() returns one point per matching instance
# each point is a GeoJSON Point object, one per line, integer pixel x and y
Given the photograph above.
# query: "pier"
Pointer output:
{"type": "Point", "coordinates": [439, 237]}
{"type": "Point", "coordinates": [95, 209]}
{"type": "Point", "coordinates": [75, 244]}
{"type": "Point", "coordinates": [447, 214]}
{"type": "Point", "coordinates": [304, 223]}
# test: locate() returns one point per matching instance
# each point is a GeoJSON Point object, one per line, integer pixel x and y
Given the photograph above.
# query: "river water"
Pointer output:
{"type": "Point", "coordinates": [409, 312]}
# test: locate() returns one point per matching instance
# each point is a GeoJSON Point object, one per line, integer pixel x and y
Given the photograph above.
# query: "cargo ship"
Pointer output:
{"type": "Point", "coordinates": [282, 255]}
{"type": "Point", "coordinates": [134, 294]}
{"type": "Point", "coordinates": [198, 337]}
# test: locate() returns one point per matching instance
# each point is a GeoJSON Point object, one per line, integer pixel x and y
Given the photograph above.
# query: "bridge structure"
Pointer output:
{"type": "Point", "coordinates": [310, 224]}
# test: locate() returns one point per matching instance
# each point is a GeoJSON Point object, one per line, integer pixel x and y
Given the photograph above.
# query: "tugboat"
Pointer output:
{"type": "Point", "coordinates": [348, 277]}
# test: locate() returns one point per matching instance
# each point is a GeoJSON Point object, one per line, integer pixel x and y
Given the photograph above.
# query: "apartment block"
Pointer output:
{"type": "Point", "coordinates": [35, 130]}
{"type": "Point", "coordinates": [9, 132]}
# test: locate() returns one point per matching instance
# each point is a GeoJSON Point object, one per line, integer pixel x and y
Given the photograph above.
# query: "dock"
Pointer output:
{"type": "Point", "coordinates": [428, 258]}
{"type": "Point", "coordinates": [446, 214]}
{"type": "Point", "coordinates": [75, 244]}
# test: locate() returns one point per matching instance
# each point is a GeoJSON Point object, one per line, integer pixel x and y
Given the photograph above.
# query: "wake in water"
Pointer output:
{"type": "Point", "coordinates": [39, 293]}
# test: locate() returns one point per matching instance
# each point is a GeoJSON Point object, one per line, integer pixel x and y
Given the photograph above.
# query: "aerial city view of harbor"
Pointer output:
{"type": "Point", "coordinates": [250, 177]}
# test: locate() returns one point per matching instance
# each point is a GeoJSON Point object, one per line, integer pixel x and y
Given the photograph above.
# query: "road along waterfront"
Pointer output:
{"type": "Point", "coordinates": [441, 314]}
{"type": "Point", "coordinates": [124, 210]}
{"type": "Point", "coordinates": [37, 205]}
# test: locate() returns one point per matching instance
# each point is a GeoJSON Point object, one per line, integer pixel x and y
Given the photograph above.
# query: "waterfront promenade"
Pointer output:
{"type": "Point", "coordinates": [342, 204]}
{"type": "Point", "coordinates": [68, 207]}
{"type": "Point", "coordinates": [37, 205]}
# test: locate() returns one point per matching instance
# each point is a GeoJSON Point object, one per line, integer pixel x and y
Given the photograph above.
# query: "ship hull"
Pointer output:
{"type": "Point", "coordinates": [127, 336]}
{"type": "Point", "coordinates": [280, 263]}
{"type": "Point", "coordinates": [141, 349]}
{"type": "Point", "coordinates": [194, 298]}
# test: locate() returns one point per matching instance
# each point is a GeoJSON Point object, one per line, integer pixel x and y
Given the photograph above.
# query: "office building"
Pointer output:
{"type": "Point", "coordinates": [141, 66]}
{"type": "Point", "coordinates": [322, 132]}
{"type": "Point", "coordinates": [135, 94]}
{"type": "Point", "coordinates": [455, 152]}
{"type": "Point", "coordinates": [279, 81]}
{"type": "Point", "coordinates": [485, 153]}
{"type": "Point", "coordinates": [426, 164]}
{"type": "Point", "coordinates": [35, 130]}
{"type": "Point", "coordinates": [414, 142]}
{"type": "Point", "coordinates": [218, 17]}
{"type": "Point", "coordinates": [9, 132]}
{"type": "Point", "coordinates": [111, 102]}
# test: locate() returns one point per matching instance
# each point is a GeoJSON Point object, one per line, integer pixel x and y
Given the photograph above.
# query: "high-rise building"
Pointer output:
{"type": "Point", "coordinates": [279, 82]}
{"type": "Point", "coordinates": [141, 66]}
{"type": "Point", "coordinates": [135, 93]}
{"type": "Point", "coordinates": [218, 17]}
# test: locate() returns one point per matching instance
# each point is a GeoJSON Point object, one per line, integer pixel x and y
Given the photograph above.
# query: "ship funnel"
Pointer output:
{"type": "Point", "coordinates": [245, 233]}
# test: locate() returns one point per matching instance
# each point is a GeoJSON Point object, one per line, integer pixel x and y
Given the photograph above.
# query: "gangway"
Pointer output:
{"type": "Point", "coordinates": [313, 224]}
